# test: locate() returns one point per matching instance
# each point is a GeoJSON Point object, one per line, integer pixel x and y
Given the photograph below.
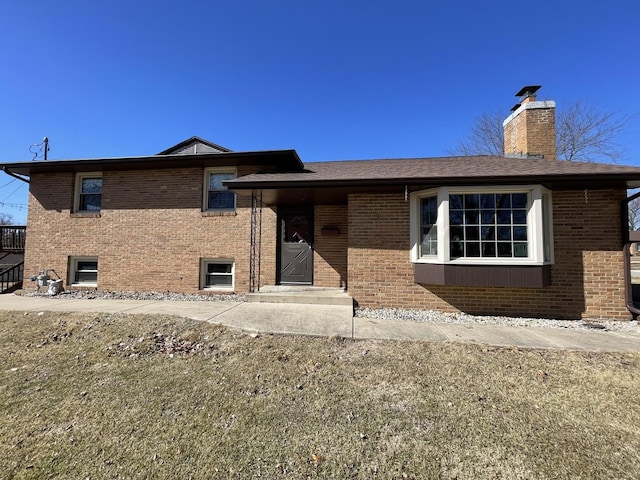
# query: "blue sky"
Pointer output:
{"type": "Point", "coordinates": [346, 79]}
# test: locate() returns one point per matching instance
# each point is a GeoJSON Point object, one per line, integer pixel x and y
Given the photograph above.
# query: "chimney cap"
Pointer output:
{"type": "Point", "coordinates": [515, 107]}
{"type": "Point", "coordinates": [528, 90]}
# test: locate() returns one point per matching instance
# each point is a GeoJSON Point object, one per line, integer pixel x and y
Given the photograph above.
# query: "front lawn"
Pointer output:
{"type": "Point", "coordinates": [150, 396]}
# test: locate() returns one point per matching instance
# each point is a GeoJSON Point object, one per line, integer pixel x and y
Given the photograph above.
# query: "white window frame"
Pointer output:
{"type": "Point", "coordinates": [78, 191]}
{"type": "Point", "coordinates": [205, 196]}
{"type": "Point", "coordinates": [220, 261]}
{"type": "Point", "coordinates": [73, 269]}
{"type": "Point", "coordinates": [539, 232]}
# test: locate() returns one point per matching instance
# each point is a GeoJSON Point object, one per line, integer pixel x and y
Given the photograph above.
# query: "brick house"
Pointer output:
{"type": "Point", "coordinates": [524, 234]}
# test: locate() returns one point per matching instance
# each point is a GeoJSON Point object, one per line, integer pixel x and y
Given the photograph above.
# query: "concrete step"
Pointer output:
{"type": "Point", "coordinates": [301, 294]}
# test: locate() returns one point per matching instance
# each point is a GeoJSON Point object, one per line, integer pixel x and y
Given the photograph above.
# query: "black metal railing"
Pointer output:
{"type": "Point", "coordinates": [12, 238]}
{"type": "Point", "coordinates": [11, 278]}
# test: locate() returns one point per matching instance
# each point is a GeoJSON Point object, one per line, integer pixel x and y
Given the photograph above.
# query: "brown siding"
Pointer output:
{"type": "Point", "coordinates": [330, 247]}
{"type": "Point", "coordinates": [587, 279]}
{"type": "Point", "coordinates": [151, 232]}
{"type": "Point", "coordinates": [483, 275]}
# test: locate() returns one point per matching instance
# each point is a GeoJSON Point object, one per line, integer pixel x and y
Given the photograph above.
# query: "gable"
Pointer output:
{"type": "Point", "coordinates": [194, 146]}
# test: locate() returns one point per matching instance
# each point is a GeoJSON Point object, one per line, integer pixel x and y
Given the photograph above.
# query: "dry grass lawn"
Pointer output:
{"type": "Point", "coordinates": [116, 396]}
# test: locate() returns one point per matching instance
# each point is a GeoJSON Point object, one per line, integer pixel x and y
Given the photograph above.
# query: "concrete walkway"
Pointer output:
{"type": "Point", "coordinates": [327, 320]}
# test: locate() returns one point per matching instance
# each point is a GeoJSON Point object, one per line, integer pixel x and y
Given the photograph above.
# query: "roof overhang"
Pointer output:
{"type": "Point", "coordinates": [284, 160]}
{"type": "Point", "coordinates": [336, 191]}
{"type": "Point", "coordinates": [333, 181]}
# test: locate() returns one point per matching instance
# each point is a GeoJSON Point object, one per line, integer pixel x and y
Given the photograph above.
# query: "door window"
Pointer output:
{"type": "Point", "coordinates": [296, 229]}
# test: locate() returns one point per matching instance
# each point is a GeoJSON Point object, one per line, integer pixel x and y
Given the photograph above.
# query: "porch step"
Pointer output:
{"type": "Point", "coordinates": [301, 294]}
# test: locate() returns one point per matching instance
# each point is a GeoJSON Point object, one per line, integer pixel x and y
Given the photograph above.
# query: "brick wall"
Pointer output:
{"type": "Point", "coordinates": [531, 131]}
{"type": "Point", "coordinates": [587, 277]}
{"type": "Point", "coordinates": [151, 235]}
{"type": "Point", "coordinates": [330, 247]}
{"type": "Point", "coordinates": [151, 232]}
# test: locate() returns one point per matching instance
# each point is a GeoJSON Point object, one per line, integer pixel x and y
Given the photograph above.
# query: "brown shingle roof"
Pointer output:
{"type": "Point", "coordinates": [443, 170]}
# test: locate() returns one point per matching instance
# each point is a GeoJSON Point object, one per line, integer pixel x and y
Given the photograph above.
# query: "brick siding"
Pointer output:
{"type": "Point", "coordinates": [330, 247]}
{"type": "Point", "coordinates": [587, 277]}
{"type": "Point", "coordinates": [151, 232]}
{"type": "Point", "coordinates": [531, 132]}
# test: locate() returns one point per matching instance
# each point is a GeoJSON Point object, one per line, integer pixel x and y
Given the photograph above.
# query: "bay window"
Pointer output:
{"type": "Point", "coordinates": [428, 226]}
{"type": "Point", "coordinates": [506, 225]}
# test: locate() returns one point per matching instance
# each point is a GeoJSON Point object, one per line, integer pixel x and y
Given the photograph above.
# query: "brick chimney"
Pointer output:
{"type": "Point", "coordinates": [530, 131]}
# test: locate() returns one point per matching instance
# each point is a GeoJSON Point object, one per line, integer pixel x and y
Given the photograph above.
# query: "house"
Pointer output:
{"type": "Point", "coordinates": [523, 235]}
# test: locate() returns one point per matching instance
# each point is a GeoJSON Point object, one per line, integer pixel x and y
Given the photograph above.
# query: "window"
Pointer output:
{"type": "Point", "coordinates": [88, 193]}
{"type": "Point", "coordinates": [217, 197]}
{"type": "Point", "coordinates": [84, 271]}
{"type": "Point", "coordinates": [217, 274]}
{"type": "Point", "coordinates": [488, 225]}
{"type": "Point", "coordinates": [500, 225]}
{"type": "Point", "coordinates": [428, 226]}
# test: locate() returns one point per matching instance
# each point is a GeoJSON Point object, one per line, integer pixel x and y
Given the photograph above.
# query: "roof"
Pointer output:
{"type": "Point", "coordinates": [419, 173]}
{"type": "Point", "coordinates": [332, 181]}
{"type": "Point", "coordinates": [199, 146]}
{"type": "Point", "coordinates": [442, 170]}
{"type": "Point", "coordinates": [285, 160]}
{"type": "Point", "coordinates": [192, 152]}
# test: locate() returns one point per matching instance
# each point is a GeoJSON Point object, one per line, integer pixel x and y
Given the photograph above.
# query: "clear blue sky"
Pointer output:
{"type": "Point", "coordinates": [337, 79]}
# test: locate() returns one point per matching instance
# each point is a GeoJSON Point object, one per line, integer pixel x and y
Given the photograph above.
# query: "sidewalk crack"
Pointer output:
{"type": "Point", "coordinates": [223, 311]}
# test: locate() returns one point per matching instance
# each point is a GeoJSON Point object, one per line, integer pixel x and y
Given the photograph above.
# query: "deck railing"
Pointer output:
{"type": "Point", "coordinates": [12, 238]}
{"type": "Point", "coordinates": [11, 278]}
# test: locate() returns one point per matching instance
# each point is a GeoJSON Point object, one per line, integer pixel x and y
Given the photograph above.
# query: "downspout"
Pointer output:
{"type": "Point", "coordinates": [11, 174]}
{"type": "Point", "coordinates": [628, 289]}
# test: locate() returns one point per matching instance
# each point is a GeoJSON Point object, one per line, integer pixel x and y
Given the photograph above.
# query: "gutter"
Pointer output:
{"type": "Point", "coordinates": [11, 174]}
{"type": "Point", "coordinates": [576, 181]}
{"type": "Point", "coordinates": [285, 160]}
{"type": "Point", "coordinates": [628, 288]}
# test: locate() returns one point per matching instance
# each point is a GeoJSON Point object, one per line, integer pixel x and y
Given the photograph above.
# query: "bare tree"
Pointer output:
{"type": "Point", "coordinates": [6, 219]}
{"type": "Point", "coordinates": [634, 214]}
{"type": "Point", "coordinates": [586, 134]}
{"type": "Point", "coordinates": [582, 133]}
{"type": "Point", "coordinates": [486, 136]}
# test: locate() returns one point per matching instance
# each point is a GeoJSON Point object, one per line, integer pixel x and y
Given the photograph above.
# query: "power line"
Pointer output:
{"type": "Point", "coordinates": [8, 196]}
{"type": "Point", "coordinates": [40, 148]}
{"type": "Point", "coordinates": [7, 184]}
{"type": "Point", "coordinates": [17, 206]}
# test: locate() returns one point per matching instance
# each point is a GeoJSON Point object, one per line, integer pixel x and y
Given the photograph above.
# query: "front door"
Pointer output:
{"type": "Point", "coordinates": [296, 246]}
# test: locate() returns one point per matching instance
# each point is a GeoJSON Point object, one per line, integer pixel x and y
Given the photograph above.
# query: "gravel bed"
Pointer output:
{"type": "Point", "coordinates": [463, 318]}
{"type": "Point", "coordinates": [378, 313]}
{"type": "Point", "coordinates": [106, 295]}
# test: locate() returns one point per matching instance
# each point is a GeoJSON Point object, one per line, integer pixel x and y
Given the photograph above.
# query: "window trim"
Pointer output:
{"type": "Point", "coordinates": [73, 269]}
{"type": "Point", "coordinates": [205, 191]}
{"type": "Point", "coordinates": [220, 261]}
{"type": "Point", "coordinates": [78, 191]}
{"type": "Point", "coordinates": [539, 223]}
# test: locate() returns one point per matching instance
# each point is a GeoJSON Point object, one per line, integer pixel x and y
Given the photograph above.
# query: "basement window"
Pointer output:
{"type": "Point", "coordinates": [88, 192]}
{"type": "Point", "coordinates": [217, 274]}
{"type": "Point", "coordinates": [83, 271]}
{"type": "Point", "coordinates": [505, 225]}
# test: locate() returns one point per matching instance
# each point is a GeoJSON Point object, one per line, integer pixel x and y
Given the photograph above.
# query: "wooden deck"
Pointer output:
{"type": "Point", "coordinates": [12, 238]}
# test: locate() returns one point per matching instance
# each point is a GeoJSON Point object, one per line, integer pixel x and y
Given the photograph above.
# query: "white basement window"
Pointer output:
{"type": "Point", "coordinates": [83, 271]}
{"type": "Point", "coordinates": [217, 274]}
{"type": "Point", "coordinates": [508, 225]}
